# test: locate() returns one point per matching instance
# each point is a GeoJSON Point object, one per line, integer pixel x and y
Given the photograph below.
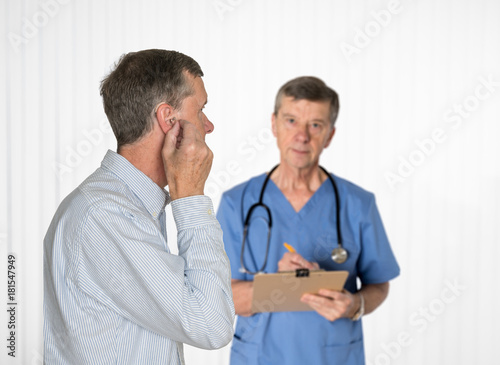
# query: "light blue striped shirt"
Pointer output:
{"type": "Point", "coordinates": [114, 294]}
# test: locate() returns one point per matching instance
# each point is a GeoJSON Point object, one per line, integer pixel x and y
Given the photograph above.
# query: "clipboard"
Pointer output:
{"type": "Point", "coordinates": [281, 292]}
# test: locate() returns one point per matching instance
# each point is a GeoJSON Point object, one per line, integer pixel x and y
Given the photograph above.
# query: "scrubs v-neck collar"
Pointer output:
{"type": "Point", "coordinates": [287, 208]}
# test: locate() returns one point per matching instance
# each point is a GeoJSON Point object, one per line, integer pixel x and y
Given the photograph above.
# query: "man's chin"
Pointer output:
{"type": "Point", "coordinates": [304, 163]}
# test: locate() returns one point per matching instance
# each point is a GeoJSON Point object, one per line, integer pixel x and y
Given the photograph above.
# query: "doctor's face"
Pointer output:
{"type": "Point", "coordinates": [302, 129]}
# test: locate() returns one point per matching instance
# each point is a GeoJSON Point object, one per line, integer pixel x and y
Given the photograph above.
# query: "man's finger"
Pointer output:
{"type": "Point", "coordinates": [188, 130]}
{"type": "Point", "coordinates": [325, 306]}
{"type": "Point", "coordinates": [334, 294]}
{"type": "Point", "coordinates": [171, 138]}
{"type": "Point", "coordinates": [296, 259]}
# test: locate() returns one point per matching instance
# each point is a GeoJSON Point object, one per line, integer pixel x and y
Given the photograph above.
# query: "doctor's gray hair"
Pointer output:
{"type": "Point", "coordinates": [312, 89]}
{"type": "Point", "coordinates": [140, 81]}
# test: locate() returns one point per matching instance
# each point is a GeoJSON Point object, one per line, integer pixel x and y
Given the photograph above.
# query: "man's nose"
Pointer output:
{"type": "Point", "coordinates": [302, 134]}
{"type": "Point", "coordinates": [209, 126]}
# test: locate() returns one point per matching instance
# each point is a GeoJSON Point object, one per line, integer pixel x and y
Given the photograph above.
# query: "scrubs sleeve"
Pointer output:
{"type": "Point", "coordinates": [229, 218]}
{"type": "Point", "coordinates": [377, 263]}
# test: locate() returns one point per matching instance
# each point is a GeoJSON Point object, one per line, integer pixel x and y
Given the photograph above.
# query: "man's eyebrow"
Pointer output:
{"type": "Point", "coordinates": [320, 120]}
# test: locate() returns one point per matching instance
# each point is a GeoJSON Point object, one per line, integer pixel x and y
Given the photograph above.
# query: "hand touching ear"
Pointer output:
{"type": "Point", "coordinates": [187, 160]}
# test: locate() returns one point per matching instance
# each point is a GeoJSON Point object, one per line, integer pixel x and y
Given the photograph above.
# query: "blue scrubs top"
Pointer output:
{"type": "Point", "coordinates": [304, 337]}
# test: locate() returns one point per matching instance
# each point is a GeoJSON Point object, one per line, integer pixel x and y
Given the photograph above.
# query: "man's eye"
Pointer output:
{"type": "Point", "coordinates": [290, 120]}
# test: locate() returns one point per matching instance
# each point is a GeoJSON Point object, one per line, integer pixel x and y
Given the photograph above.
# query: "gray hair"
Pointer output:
{"type": "Point", "coordinates": [312, 89]}
{"type": "Point", "coordinates": [140, 81]}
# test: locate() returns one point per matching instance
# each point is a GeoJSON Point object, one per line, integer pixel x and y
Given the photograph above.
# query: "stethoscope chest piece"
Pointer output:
{"type": "Point", "coordinates": [339, 254]}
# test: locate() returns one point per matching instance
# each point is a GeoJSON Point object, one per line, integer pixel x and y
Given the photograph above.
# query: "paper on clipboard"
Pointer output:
{"type": "Point", "coordinates": [281, 292]}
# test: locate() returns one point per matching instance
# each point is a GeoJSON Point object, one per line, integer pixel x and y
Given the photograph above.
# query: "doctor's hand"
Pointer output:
{"type": "Point", "coordinates": [333, 304]}
{"type": "Point", "coordinates": [292, 261]}
{"type": "Point", "coordinates": [187, 160]}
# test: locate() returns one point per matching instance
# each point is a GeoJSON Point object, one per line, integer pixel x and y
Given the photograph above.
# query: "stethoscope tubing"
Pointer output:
{"type": "Point", "coordinates": [260, 203]}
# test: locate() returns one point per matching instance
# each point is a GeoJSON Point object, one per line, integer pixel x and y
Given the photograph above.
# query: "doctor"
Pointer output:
{"type": "Point", "coordinates": [302, 204]}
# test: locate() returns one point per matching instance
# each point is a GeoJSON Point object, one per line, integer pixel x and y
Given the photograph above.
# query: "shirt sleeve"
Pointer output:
{"type": "Point", "coordinates": [377, 263]}
{"type": "Point", "coordinates": [232, 226]}
{"type": "Point", "coordinates": [122, 262]}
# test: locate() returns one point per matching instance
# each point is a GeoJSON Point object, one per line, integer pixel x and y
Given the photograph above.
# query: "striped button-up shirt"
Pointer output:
{"type": "Point", "coordinates": [114, 294]}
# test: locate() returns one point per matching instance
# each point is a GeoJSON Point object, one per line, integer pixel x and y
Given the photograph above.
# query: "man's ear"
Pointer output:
{"type": "Point", "coordinates": [330, 137]}
{"type": "Point", "coordinates": [165, 115]}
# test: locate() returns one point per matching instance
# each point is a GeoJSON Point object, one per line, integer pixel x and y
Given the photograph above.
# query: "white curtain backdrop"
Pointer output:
{"type": "Point", "coordinates": [419, 86]}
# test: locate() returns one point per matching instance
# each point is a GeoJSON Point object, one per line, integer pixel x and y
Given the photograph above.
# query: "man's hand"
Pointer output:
{"type": "Point", "coordinates": [292, 261]}
{"type": "Point", "coordinates": [187, 160]}
{"type": "Point", "coordinates": [333, 304]}
{"type": "Point", "coordinates": [242, 297]}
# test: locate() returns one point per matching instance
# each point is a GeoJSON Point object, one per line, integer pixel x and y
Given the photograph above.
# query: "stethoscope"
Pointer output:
{"type": "Point", "coordinates": [339, 254]}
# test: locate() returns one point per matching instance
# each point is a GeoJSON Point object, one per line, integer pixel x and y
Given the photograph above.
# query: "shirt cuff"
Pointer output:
{"type": "Point", "coordinates": [193, 211]}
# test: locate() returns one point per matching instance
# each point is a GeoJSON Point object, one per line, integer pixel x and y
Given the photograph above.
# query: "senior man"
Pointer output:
{"type": "Point", "coordinates": [301, 198]}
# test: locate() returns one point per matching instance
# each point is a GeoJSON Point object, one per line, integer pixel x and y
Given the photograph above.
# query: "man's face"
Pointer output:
{"type": "Point", "coordinates": [303, 130]}
{"type": "Point", "coordinates": [191, 108]}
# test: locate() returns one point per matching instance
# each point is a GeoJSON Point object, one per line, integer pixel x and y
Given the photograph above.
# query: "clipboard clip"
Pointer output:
{"type": "Point", "coordinates": [301, 273]}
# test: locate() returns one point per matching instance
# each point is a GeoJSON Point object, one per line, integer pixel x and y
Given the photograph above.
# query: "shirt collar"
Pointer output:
{"type": "Point", "coordinates": [149, 193]}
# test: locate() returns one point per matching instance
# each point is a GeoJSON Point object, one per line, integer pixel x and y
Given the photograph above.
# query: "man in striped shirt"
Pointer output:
{"type": "Point", "coordinates": [113, 291]}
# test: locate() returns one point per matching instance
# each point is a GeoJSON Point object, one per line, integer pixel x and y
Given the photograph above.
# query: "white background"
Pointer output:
{"type": "Point", "coordinates": [417, 127]}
